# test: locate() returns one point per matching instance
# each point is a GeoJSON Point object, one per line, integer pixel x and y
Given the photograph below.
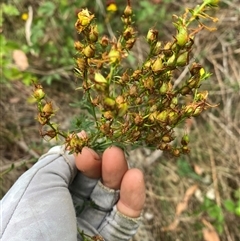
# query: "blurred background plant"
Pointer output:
{"type": "Point", "coordinates": [207, 181]}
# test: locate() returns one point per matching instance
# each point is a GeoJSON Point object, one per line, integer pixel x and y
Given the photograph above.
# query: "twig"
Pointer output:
{"type": "Point", "coordinates": [16, 164]}
{"type": "Point", "coordinates": [28, 26]}
{"type": "Point", "coordinates": [25, 148]}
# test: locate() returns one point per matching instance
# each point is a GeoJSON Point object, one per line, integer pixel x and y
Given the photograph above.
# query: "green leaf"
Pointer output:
{"type": "Point", "coordinates": [229, 205]}
{"type": "Point", "coordinates": [214, 212]}
{"type": "Point", "coordinates": [47, 9]}
{"type": "Point", "coordinates": [10, 10]}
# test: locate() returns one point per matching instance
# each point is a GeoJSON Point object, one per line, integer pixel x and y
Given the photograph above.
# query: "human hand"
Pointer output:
{"type": "Point", "coordinates": [40, 204]}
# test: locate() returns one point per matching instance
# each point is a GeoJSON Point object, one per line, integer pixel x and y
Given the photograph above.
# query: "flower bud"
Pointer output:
{"type": "Point", "coordinates": [99, 78]}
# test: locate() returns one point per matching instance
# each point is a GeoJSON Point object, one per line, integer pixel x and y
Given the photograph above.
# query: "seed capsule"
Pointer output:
{"type": "Point", "coordinates": [182, 36]}
{"type": "Point", "coordinates": [38, 94]}
{"type": "Point", "coordinates": [122, 109]}
{"type": "Point", "coordinates": [114, 56]}
{"type": "Point", "coordinates": [109, 102]}
{"type": "Point", "coordinates": [152, 36]}
{"type": "Point", "coordinates": [127, 11]}
{"type": "Point", "coordinates": [89, 51]}
{"type": "Point", "coordinates": [47, 109]}
{"type": "Point", "coordinates": [157, 65]}
{"type": "Point", "coordinates": [93, 34]}
{"type": "Point", "coordinates": [185, 140]}
{"type": "Point", "coordinates": [182, 59]}
{"type": "Point", "coordinates": [162, 116]}
{"type": "Point", "coordinates": [104, 41]}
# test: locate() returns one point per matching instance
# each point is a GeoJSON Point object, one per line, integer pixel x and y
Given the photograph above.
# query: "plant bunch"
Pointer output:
{"type": "Point", "coordinates": [134, 107]}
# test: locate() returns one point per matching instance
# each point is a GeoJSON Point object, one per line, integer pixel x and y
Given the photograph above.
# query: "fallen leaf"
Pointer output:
{"type": "Point", "coordinates": [198, 170]}
{"type": "Point", "coordinates": [20, 59]}
{"type": "Point", "coordinates": [172, 226]}
{"type": "Point", "coordinates": [182, 206]}
{"type": "Point", "coordinates": [190, 191]}
{"type": "Point", "coordinates": [14, 100]}
{"type": "Point", "coordinates": [210, 235]}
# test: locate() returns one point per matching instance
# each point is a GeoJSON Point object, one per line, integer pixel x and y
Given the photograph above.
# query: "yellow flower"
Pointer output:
{"type": "Point", "coordinates": [24, 16]}
{"type": "Point", "coordinates": [112, 7]}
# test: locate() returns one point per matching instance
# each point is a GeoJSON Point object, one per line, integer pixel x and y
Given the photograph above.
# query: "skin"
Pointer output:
{"type": "Point", "coordinates": [113, 169]}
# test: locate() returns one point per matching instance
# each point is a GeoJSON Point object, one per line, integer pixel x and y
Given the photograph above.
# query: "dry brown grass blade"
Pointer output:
{"type": "Point", "coordinates": [209, 233]}
{"type": "Point", "coordinates": [182, 206]}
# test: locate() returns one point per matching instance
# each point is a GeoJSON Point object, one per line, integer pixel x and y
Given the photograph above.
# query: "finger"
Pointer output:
{"type": "Point", "coordinates": [124, 220]}
{"type": "Point", "coordinates": [105, 194]}
{"type": "Point", "coordinates": [132, 194]}
{"type": "Point", "coordinates": [88, 163]}
{"type": "Point", "coordinates": [114, 167]}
